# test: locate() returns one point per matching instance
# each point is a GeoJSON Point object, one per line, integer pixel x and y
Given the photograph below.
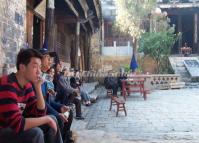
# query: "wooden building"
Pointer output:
{"type": "Point", "coordinates": [185, 16]}
{"type": "Point", "coordinates": [35, 23]}
{"type": "Point", "coordinates": [67, 27]}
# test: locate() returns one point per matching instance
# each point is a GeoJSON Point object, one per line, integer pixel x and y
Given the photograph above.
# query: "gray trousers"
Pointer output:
{"type": "Point", "coordinates": [42, 134]}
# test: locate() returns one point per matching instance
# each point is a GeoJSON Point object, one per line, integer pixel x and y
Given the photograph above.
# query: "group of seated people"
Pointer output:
{"type": "Point", "coordinates": [35, 102]}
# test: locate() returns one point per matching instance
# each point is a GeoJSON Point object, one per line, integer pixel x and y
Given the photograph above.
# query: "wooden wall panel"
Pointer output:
{"type": "Point", "coordinates": [29, 27]}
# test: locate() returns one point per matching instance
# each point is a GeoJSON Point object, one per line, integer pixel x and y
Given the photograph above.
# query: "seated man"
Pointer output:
{"type": "Point", "coordinates": [122, 76]}
{"type": "Point", "coordinates": [110, 82]}
{"type": "Point", "coordinates": [65, 93]}
{"type": "Point", "coordinates": [54, 108]}
{"type": "Point", "coordinates": [75, 82]}
{"type": "Point", "coordinates": [22, 108]}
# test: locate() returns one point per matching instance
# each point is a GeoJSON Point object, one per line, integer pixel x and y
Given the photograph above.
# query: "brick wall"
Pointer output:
{"type": "Point", "coordinates": [12, 32]}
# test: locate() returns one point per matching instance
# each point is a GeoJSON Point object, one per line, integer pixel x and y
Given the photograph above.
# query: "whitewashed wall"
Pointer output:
{"type": "Point", "coordinates": [117, 50]}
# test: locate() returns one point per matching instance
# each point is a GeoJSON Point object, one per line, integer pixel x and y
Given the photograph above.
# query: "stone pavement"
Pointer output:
{"type": "Point", "coordinates": [167, 116]}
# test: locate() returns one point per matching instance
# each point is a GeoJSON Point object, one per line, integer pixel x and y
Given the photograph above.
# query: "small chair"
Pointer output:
{"type": "Point", "coordinates": [120, 104]}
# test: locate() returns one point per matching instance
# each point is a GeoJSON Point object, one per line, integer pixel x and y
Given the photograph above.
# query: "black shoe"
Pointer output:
{"type": "Point", "coordinates": [79, 118]}
{"type": "Point", "coordinates": [70, 140]}
{"type": "Point", "coordinates": [69, 133]}
{"type": "Point", "coordinates": [89, 104]}
{"type": "Point", "coordinates": [68, 137]}
{"type": "Point", "coordinates": [93, 100]}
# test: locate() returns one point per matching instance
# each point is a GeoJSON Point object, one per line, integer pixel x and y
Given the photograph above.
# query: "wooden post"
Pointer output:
{"type": "Point", "coordinates": [82, 48]}
{"type": "Point", "coordinates": [86, 51]}
{"type": "Point", "coordinates": [179, 30]}
{"type": "Point", "coordinates": [77, 45]}
{"type": "Point", "coordinates": [195, 34]}
{"type": "Point", "coordinates": [89, 53]}
{"type": "Point", "coordinates": [102, 34]}
{"type": "Point", "coordinates": [49, 27]}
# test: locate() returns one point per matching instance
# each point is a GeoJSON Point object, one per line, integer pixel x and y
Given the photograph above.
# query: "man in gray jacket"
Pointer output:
{"type": "Point", "coordinates": [65, 93]}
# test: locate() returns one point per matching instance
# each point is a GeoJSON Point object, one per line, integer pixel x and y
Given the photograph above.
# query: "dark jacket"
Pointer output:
{"type": "Point", "coordinates": [75, 82]}
{"type": "Point", "coordinates": [121, 77]}
{"type": "Point", "coordinates": [109, 82]}
{"type": "Point", "coordinates": [63, 83]}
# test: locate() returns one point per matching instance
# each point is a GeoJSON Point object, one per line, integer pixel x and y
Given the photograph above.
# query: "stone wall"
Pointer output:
{"type": "Point", "coordinates": [12, 32]}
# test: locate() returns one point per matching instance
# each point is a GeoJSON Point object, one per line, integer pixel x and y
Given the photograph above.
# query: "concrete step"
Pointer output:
{"type": "Point", "coordinates": [179, 67]}
{"type": "Point", "coordinates": [192, 84]}
{"type": "Point", "coordinates": [176, 85]}
{"type": "Point", "coordinates": [186, 79]}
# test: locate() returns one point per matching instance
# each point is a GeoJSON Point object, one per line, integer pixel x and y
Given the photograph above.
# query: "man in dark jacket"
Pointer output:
{"type": "Point", "coordinates": [110, 82]}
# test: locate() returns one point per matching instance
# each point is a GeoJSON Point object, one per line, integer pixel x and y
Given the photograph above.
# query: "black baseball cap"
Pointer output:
{"type": "Point", "coordinates": [45, 51]}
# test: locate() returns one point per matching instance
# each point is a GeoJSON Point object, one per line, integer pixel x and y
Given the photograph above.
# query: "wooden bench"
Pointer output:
{"type": "Point", "coordinates": [117, 101]}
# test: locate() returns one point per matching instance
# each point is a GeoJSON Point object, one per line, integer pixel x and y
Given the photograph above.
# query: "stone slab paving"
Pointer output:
{"type": "Point", "coordinates": [166, 116]}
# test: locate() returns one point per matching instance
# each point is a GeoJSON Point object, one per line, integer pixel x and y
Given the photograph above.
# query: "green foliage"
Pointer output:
{"type": "Point", "coordinates": [139, 8]}
{"type": "Point", "coordinates": [130, 15]}
{"type": "Point", "coordinates": [158, 42]}
{"type": "Point", "coordinates": [126, 68]}
{"type": "Point", "coordinates": [139, 69]}
{"type": "Point", "coordinates": [158, 46]}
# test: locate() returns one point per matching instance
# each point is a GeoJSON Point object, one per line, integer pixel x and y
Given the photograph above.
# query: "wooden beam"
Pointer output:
{"type": "Point", "coordinates": [66, 19]}
{"type": "Point", "coordinates": [41, 9]}
{"type": "Point", "coordinates": [96, 8]}
{"type": "Point", "coordinates": [84, 6]}
{"type": "Point", "coordinates": [84, 27]}
{"type": "Point", "coordinates": [72, 8]}
{"type": "Point", "coordinates": [91, 24]}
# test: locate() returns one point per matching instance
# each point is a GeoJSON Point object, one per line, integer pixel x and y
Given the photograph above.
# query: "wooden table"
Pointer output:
{"type": "Point", "coordinates": [133, 85]}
